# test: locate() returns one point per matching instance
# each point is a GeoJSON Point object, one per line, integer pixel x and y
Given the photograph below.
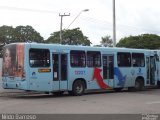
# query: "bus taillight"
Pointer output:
{"type": "Point", "coordinates": [24, 74]}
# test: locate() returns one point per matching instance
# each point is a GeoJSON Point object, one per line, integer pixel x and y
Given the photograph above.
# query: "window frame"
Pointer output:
{"type": "Point", "coordinates": [124, 63]}
{"type": "Point", "coordinates": [94, 61]}
{"type": "Point", "coordinates": [80, 57]}
{"type": "Point", "coordinates": [138, 57]}
{"type": "Point", "coordinates": [40, 50]}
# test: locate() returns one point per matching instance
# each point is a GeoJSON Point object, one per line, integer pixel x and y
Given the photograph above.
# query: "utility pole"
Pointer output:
{"type": "Point", "coordinates": [62, 15]}
{"type": "Point", "coordinates": [114, 25]}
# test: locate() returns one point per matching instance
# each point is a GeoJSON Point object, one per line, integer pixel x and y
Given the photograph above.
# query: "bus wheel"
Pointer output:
{"type": "Point", "coordinates": [78, 88]}
{"type": "Point", "coordinates": [139, 85]}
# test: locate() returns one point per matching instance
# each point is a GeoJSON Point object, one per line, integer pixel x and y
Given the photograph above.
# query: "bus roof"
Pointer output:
{"type": "Point", "coordinates": [79, 47]}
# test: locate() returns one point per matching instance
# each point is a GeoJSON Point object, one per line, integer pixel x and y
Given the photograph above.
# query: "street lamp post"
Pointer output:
{"type": "Point", "coordinates": [114, 25]}
{"type": "Point", "coordinates": [85, 10]}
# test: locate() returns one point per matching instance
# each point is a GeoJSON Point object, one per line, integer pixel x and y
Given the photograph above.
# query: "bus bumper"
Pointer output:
{"type": "Point", "coordinates": [15, 85]}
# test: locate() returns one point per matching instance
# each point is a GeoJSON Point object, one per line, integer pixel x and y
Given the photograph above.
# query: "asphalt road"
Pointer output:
{"type": "Point", "coordinates": [14, 101]}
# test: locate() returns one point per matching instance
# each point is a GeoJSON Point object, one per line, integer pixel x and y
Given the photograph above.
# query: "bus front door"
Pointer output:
{"type": "Point", "coordinates": [108, 69]}
{"type": "Point", "coordinates": [59, 71]}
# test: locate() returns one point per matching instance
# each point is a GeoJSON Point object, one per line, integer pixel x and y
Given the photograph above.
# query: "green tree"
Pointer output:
{"type": "Point", "coordinates": [70, 36]}
{"type": "Point", "coordinates": [6, 35]}
{"type": "Point", "coordinates": [143, 41]}
{"type": "Point", "coordinates": [27, 34]}
{"type": "Point", "coordinates": [106, 41]}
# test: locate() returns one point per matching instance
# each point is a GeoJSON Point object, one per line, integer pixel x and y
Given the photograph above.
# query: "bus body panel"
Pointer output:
{"type": "Point", "coordinates": [26, 65]}
{"type": "Point", "coordinates": [39, 76]}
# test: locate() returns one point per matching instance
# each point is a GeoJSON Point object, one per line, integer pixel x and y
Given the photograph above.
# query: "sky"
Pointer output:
{"type": "Point", "coordinates": [133, 17]}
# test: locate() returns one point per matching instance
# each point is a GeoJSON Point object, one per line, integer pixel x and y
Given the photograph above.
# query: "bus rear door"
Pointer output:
{"type": "Point", "coordinates": [59, 61]}
{"type": "Point", "coordinates": [151, 70]}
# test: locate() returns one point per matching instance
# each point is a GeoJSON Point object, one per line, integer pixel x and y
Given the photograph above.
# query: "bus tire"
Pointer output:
{"type": "Point", "coordinates": [78, 88]}
{"type": "Point", "coordinates": [139, 84]}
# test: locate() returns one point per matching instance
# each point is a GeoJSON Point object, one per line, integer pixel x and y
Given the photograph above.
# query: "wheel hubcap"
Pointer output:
{"type": "Point", "coordinates": [137, 85]}
{"type": "Point", "coordinates": [79, 89]}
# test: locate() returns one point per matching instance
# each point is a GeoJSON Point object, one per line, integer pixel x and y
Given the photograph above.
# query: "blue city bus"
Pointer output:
{"type": "Point", "coordinates": [54, 68]}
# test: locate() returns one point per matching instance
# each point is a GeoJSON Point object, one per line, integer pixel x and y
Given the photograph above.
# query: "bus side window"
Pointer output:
{"type": "Point", "coordinates": [134, 62]}
{"type": "Point", "coordinates": [39, 58]}
{"type": "Point", "coordinates": [124, 59]}
{"type": "Point", "coordinates": [93, 59]}
{"type": "Point", "coordinates": [138, 60]}
{"type": "Point", "coordinates": [77, 58]}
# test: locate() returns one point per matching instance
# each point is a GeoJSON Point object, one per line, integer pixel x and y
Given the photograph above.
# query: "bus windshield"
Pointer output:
{"type": "Point", "coordinates": [13, 60]}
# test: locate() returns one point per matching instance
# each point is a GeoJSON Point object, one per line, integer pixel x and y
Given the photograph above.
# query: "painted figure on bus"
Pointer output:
{"type": "Point", "coordinates": [7, 60]}
{"type": "Point", "coordinates": [8, 66]}
{"type": "Point", "coordinates": [121, 78]}
{"type": "Point", "coordinates": [13, 58]}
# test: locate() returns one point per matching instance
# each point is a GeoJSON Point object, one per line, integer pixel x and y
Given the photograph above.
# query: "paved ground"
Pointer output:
{"type": "Point", "coordinates": [91, 103]}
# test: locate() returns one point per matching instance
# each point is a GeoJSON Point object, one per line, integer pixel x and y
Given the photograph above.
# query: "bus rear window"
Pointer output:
{"type": "Point", "coordinates": [39, 58]}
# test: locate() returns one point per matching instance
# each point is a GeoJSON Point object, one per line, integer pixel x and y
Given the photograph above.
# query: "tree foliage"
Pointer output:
{"type": "Point", "coordinates": [69, 36]}
{"type": "Point", "coordinates": [106, 41]}
{"type": "Point", "coordinates": [8, 34]}
{"type": "Point", "coordinates": [143, 41]}
{"type": "Point", "coordinates": [27, 34]}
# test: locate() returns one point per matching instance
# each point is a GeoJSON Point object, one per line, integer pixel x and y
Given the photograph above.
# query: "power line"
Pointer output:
{"type": "Point", "coordinates": [109, 24]}
{"type": "Point", "coordinates": [26, 9]}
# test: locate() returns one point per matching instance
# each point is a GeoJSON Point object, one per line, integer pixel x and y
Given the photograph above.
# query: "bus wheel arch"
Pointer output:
{"type": "Point", "coordinates": [78, 87]}
{"type": "Point", "coordinates": [139, 83]}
